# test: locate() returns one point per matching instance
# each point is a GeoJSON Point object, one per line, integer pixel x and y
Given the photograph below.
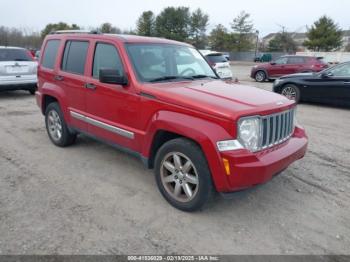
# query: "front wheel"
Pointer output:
{"type": "Point", "coordinates": [182, 174]}
{"type": "Point", "coordinates": [260, 76]}
{"type": "Point", "coordinates": [292, 92]}
{"type": "Point", "coordinates": [56, 126]}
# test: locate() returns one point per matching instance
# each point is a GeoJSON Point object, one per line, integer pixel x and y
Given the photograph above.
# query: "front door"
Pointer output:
{"type": "Point", "coordinates": [112, 110]}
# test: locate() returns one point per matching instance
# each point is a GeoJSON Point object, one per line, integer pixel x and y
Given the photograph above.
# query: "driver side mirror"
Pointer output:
{"type": "Point", "coordinates": [112, 76]}
{"type": "Point", "coordinates": [326, 74]}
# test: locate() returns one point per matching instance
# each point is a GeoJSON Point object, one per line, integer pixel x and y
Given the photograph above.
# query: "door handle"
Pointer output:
{"type": "Point", "coordinates": [90, 86]}
{"type": "Point", "coordinates": [59, 78]}
{"type": "Point", "coordinates": [347, 83]}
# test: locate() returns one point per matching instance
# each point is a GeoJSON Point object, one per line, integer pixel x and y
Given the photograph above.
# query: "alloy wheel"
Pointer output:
{"type": "Point", "coordinates": [179, 177]}
{"type": "Point", "coordinates": [289, 92]}
{"type": "Point", "coordinates": [54, 125]}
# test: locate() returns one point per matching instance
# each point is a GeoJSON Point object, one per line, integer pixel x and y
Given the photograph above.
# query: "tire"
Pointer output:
{"type": "Point", "coordinates": [196, 177]}
{"type": "Point", "coordinates": [260, 76]}
{"type": "Point", "coordinates": [291, 91]}
{"type": "Point", "coordinates": [56, 126]}
{"type": "Point", "coordinates": [32, 91]}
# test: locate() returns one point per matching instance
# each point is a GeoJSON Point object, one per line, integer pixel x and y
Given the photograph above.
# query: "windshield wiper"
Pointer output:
{"type": "Point", "coordinates": [164, 78]}
{"type": "Point", "coordinates": [203, 76]}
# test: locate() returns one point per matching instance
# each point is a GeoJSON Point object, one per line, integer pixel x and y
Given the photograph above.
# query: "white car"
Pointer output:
{"type": "Point", "coordinates": [18, 70]}
{"type": "Point", "coordinates": [219, 62]}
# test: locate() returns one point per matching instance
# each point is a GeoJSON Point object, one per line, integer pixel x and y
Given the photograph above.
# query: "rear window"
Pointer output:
{"type": "Point", "coordinates": [74, 57]}
{"type": "Point", "coordinates": [12, 54]}
{"type": "Point", "coordinates": [216, 58]}
{"type": "Point", "coordinates": [50, 53]}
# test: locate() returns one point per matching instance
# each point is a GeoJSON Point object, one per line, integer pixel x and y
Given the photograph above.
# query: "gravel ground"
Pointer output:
{"type": "Point", "coordinates": [93, 199]}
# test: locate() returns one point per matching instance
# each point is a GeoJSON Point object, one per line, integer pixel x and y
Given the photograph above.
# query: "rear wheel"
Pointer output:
{"type": "Point", "coordinates": [56, 127]}
{"type": "Point", "coordinates": [182, 174]}
{"type": "Point", "coordinates": [260, 76]}
{"type": "Point", "coordinates": [291, 91]}
{"type": "Point", "coordinates": [32, 91]}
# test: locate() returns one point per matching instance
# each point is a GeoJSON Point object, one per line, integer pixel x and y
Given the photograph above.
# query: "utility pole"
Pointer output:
{"type": "Point", "coordinates": [257, 43]}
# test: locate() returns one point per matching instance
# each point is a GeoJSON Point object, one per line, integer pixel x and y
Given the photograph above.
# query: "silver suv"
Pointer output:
{"type": "Point", "coordinates": [18, 70]}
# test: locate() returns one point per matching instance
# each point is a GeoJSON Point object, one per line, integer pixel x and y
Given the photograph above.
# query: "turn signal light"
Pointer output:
{"type": "Point", "coordinates": [227, 166]}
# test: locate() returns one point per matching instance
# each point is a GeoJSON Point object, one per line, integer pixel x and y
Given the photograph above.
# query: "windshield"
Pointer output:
{"type": "Point", "coordinates": [163, 62]}
{"type": "Point", "coordinates": [8, 54]}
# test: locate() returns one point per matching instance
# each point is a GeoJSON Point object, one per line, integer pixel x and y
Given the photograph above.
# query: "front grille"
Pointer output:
{"type": "Point", "coordinates": [276, 128]}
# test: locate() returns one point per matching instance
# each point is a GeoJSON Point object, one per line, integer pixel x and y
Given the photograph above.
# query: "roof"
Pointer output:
{"type": "Point", "coordinates": [120, 37]}
{"type": "Point", "coordinates": [12, 47]}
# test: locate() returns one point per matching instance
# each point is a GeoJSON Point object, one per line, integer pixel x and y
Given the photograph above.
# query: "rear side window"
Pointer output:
{"type": "Point", "coordinates": [12, 54]}
{"type": "Point", "coordinates": [106, 57]}
{"type": "Point", "coordinates": [74, 57]}
{"type": "Point", "coordinates": [50, 53]}
{"type": "Point", "coordinates": [296, 60]}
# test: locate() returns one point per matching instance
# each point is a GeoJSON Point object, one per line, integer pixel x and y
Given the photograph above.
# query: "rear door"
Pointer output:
{"type": "Point", "coordinates": [295, 65]}
{"type": "Point", "coordinates": [71, 78]}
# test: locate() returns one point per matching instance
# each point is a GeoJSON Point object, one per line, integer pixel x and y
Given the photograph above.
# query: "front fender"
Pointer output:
{"type": "Point", "coordinates": [203, 132]}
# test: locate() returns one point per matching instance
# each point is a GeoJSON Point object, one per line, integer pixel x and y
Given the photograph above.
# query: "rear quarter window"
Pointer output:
{"type": "Point", "coordinates": [74, 57]}
{"type": "Point", "coordinates": [50, 53]}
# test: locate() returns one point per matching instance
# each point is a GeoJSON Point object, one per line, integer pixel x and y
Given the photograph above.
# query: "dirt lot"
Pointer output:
{"type": "Point", "coordinates": [93, 199]}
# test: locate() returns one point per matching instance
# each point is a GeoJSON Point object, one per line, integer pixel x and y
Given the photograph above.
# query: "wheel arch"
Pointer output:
{"type": "Point", "coordinates": [167, 125]}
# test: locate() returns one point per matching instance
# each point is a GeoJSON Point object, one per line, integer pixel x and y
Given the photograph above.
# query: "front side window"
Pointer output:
{"type": "Point", "coordinates": [50, 53]}
{"type": "Point", "coordinates": [106, 57]}
{"type": "Point", "coordinates": [167, 62]}
{"type": "Point", "coordinates": [281, 61]}
{"type": "Point", "coordinates": [74, 57]}
{"type": "Point", "coordinates": [340, 70]}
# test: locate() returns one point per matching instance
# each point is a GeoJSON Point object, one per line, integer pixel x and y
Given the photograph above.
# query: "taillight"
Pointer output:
{"type": "Point", "coordinates": [212, 64]}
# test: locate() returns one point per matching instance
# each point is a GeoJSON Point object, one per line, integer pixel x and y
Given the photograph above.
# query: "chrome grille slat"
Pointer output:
{"type": "Point", "coordinates": [276, 128]}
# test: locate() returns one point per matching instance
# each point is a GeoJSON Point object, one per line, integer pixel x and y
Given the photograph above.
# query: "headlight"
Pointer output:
{"type": "Point", "coordinates": [249, 133]}
{"type": "Point", "coordinates": [277, 81]}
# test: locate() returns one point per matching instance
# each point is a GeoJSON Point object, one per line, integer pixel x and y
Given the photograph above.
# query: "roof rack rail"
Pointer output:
{"type": "Point", "coordinates": [74, 32]}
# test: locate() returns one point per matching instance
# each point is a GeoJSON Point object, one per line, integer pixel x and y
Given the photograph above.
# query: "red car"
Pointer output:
{"type": "Point", "coordinates": [161, 101]}
{"type": "Point", "coordinates": [287, 65]}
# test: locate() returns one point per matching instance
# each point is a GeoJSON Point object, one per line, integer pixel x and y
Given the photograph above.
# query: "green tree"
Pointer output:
{"type": "Point", "coordinates": [173, 23]}
{"type": "Point", "coordinates": [145, 25]}
{"type": "Point", "coordinates": [58, 26]}
{"type": "Point", "coordinates": [198, 26]}
{"type": "Point", "coordinates": [242, 27]}
{"type": "Point", "coordinates": [220, 39]}
{"type": "Point", "coordinates": [282, 42]}
{"type": "Point", "coordinates": [324, 35]}
{"type": "Point", "coordinates": [108, 28]}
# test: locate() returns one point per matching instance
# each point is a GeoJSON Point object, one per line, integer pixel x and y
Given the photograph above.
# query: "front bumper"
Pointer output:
{"type": "Point", "coordinates": [249, 169]}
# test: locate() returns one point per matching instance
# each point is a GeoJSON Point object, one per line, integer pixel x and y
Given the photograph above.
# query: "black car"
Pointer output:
{"type": "Point", "coordinates": [328, 86]}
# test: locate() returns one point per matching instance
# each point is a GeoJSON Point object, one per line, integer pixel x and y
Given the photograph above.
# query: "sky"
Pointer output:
{"type": "Point", "coordinates": [268, 15]}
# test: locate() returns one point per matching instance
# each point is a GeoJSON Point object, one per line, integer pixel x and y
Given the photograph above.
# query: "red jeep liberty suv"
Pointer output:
{"type": "Point", "coordinates": [160, 100]}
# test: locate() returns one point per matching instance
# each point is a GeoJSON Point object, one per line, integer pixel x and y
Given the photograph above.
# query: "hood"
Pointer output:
{"type": "Point", "coordinates": [299, 75]}
{"type": "Point", "coordinates": [215, 97]}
